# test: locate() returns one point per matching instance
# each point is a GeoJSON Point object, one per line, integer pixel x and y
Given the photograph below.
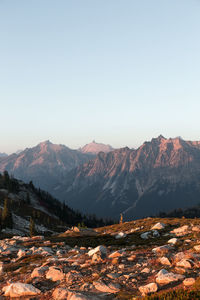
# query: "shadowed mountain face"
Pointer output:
{"type": "Point", "coordinates": [44, 164]}
{"type": "Point", "coordinates": [159, 176]}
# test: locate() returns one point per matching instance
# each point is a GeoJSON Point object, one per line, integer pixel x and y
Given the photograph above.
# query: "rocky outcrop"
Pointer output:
{"type": "Point", "coordinates": [51, 269]}
{"type": "Point", "coordinates": [19, 289]}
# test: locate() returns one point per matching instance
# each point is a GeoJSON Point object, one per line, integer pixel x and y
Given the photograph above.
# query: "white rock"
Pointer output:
{"type": "Point", "coordinates": [120, 235]}
{"type": "Point", "coordinates": [21, 253]}
{"type": "Point", "coordinates": [101, 249]}
{"type": "Point", "coordinates": [19, 289]}
{"type": "Point", "coordinates": [173, 241]}
{"type": "Point", "coordinates": [149, 288]}
{"type": "Point", "coordinates": [158, 226]}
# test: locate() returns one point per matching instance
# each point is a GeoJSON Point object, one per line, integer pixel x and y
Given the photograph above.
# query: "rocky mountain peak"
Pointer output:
{"type": "Point", "coordinates": [95, 148]}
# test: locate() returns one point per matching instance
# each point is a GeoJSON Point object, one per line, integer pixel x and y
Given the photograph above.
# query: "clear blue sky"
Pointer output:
{"type": "Point", "coordinates": [117, 71]}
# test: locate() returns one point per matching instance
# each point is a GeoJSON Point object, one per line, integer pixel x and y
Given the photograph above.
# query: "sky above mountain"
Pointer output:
{"type": "Point", "coordinates": [119, 72]}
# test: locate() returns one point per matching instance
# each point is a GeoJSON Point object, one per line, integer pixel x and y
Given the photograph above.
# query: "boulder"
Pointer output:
{"type": "Point", "coordinates": [1, 268]}
{"type": "Point", "coordinates": [120, 235]}
{"type": "Point", "coordinates": [39, 272]}
{"type": "Point", "coordinates": [148, 289]}
{"type": "Point", "coordinates": [164, 261]}
{"type": "Point", "coordinates": [99, 249]}
{"type": "Point", "coordinates": [158, 226]}
{"type": "Point", "coordinates": [196, 228]}
{"type": "Point", "coordinates": [19, 289]}
{"type": "Point", "coordinates": [146, 270]}
{"type": "Point", "coordinates": [72, 295]}
{"type": "Point", "coordinates": [145, 235]}
{"type": "Point", "coordinates": [184, 263]}
{"type": "Point", "coordinates": [60, 294]}
{"type": "Point", "coordinates": [106, 288]}
{"type": "Point", "coordinates": [21, 253]}
{"type": "Point", "coordinates": [115, 254]}
{"type": "Point", "coordinates": [161, 249]}
{"type": "Point", "coordinates": [173, 241]}
{"type": "Point", "coordinates": [55, 274]}
{"type": "Point", "coordinates": [165, 277]}
{"type": "Point", "coordinates": [181, 231]}
{"type": "Point", "coordinates": [197, 248]}
{"type": "Point", "coordinates": [189, 281]}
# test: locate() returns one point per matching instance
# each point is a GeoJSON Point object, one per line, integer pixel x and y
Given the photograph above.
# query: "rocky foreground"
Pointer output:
{"type": "Point", "coordinates": [126, 261]}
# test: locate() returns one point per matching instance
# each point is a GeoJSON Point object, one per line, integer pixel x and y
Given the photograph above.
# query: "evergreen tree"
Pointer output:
{"type": "Point", "coordinates": [28, 201]}
{"type": "Point", "coordinates": [32, 227]}
{"type": "Point", "coordinates": [121, 219]}
{"type": "Point", "coordinates": [6, 215]}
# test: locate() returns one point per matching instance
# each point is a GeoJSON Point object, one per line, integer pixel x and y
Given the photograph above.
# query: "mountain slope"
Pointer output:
{"type": "Point", "coordinates": [3, 154]}
{"type": "Point", "coordinates": [95, 148]}
{"type": "Point", "coordinates": [44, 164]}
{"type": "Point", "coordinates": [25, 201]}
{"type": "Point", "coordinates": [160, 175]}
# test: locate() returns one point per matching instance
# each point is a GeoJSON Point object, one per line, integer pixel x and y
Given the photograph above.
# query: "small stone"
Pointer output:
{"type": "Point", "coordinates": [164, 261]}
{"type": "Point", "coordinates": [146, 270]}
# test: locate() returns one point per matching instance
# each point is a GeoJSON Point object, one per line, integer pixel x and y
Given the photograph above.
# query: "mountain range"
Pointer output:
{"type": "Point", "coordinates": [44, 164]}
{"type": "Point", "coordinates": [161, 175]}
